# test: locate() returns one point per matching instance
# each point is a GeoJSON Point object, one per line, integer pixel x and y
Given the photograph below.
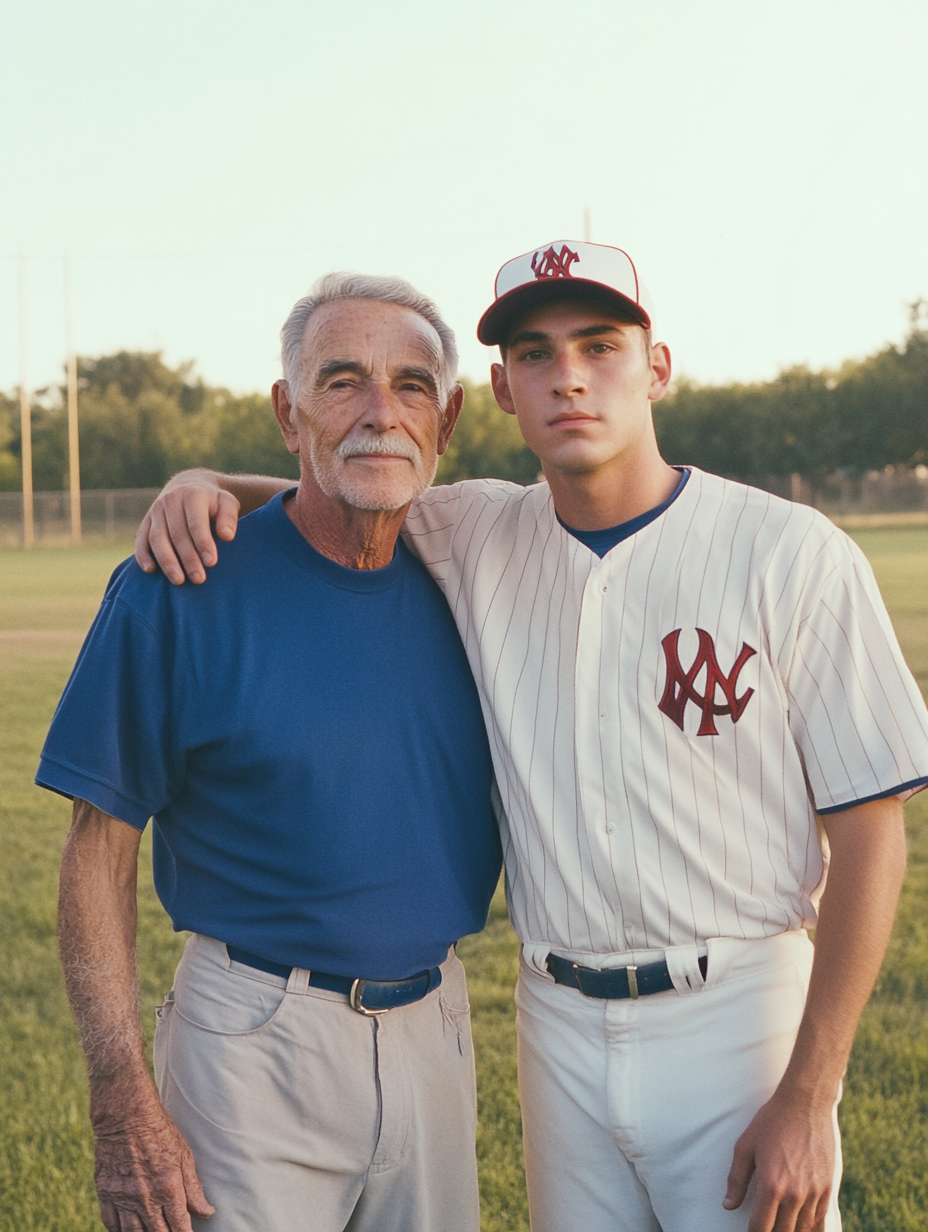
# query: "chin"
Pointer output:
{"type": "Point", "coordinates": [372, 492]}
{"type": "Point", "coordinates": [377, 499]}
{"type": "Point", "coordinates": [572, 461]}
{"type": "Point", "coordinates": [380, 494]}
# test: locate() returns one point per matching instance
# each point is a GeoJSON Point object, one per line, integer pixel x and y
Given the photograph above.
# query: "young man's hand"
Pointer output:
{"type": "Point", "coordinates": [145, 1175]}
{"type": "Point", "coordinates": [791, 1152]}
{"type": "Point", "coordinates": [176, 533]}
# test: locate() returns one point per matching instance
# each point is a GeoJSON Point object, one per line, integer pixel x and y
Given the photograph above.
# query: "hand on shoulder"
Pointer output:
{"type": "Point", "coordinates": [177, 532]}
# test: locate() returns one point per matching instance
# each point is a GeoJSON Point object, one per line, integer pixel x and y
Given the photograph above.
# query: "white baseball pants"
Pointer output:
{"type": "Point", "coordinates": [305, 1116]}
{"type": "Point", "coordinates": [631, 1108]}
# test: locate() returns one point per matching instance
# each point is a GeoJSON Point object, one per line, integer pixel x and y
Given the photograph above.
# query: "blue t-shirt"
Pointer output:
{"type": "Point", "coordinates": [309, 741]}
{"type": "Point", "coordinates": [601, 541]}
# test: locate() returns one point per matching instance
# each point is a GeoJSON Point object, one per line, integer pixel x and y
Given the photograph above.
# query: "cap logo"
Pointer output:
{"type": "Point", "coordinates": [551, 264]}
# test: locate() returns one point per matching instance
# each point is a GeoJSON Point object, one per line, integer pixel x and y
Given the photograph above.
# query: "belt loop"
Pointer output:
{"type": "Point", "coordinates": [685, 971]}
{"type": "Point", "coordinates": [299, 980]}
{"type": "Point", "coordinates": [632, 972]}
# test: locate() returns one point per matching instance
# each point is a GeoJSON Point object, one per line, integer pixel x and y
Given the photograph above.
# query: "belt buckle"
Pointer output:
{"type": "Point", "coordinates": [631, 974]}
{"type": "Point", "coordinates": [356, 1002]}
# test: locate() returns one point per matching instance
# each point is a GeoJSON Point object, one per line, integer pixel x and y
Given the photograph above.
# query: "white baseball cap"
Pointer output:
{"type": "Point", "coordinates": [577, 264]}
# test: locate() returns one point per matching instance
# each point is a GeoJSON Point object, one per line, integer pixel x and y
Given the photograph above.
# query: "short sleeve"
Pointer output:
{"type": "Point", "coordinates": [855, 711]}
{"type": "Point", "coordinates": [110, 741]}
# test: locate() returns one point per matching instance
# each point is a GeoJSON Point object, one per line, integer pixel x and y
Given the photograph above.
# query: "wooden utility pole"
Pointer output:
{"type": "Point", "coordinates": [25, 416]}
{"type": "Point", "coordinates": [74, 458]}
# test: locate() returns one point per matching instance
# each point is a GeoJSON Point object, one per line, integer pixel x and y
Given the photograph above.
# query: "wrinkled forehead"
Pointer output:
{"type": "Point", "coordinates": [381, 337]}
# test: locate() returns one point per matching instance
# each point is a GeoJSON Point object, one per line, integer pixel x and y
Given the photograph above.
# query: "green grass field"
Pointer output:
{"type": "Point", "coordinates": [47, 599]}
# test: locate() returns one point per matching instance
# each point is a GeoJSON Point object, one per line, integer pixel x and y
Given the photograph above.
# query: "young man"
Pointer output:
{"type": "Point", "coordinates": [693, 694]}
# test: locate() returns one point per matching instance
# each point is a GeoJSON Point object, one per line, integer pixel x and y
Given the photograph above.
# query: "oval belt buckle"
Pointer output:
{"type": "Point", "coordinates": [356, 1003]}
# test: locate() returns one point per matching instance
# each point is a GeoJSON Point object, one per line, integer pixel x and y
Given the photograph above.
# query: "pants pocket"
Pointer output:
{"type": "Point", "coordinates": [163, 1015]}
{"type": "Point", "coordinates": [224, 1002]}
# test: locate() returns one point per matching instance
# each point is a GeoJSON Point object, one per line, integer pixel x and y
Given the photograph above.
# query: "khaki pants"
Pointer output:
{"type": "Point", "coordinates": [632, 1109]}
{"type": "Point", "coordinates": [305, 1116]}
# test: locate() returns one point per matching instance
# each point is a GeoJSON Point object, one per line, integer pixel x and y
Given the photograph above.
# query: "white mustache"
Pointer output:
{"type": "Point", "coordinates": [373, 444]}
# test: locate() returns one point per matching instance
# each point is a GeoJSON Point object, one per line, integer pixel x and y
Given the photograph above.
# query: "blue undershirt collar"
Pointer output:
{"type": "Point", "coordinates": [600, 541]}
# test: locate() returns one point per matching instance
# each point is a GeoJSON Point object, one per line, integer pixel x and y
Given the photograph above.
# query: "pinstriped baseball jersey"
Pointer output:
{"type": "Point", "coordinates": [666, 721]}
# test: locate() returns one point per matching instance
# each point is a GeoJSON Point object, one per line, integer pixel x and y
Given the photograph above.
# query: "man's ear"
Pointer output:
{"type": "Point", "coordinates": [500, 383]}
{"type": "Point", "coordinates": [660, 371]}
{"type": "Point", "coordinates": [283, 411]}
{"type": "Point", "coordinates": [450, 417]}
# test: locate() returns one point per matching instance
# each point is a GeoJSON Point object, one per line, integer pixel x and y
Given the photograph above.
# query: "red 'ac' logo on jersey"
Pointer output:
{"type": "Point", "coordinates": [551, 264]}
{"type": "Point", "coordinates": [680, 687]}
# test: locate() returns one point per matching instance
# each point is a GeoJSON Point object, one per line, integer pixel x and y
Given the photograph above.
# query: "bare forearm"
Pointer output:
{"type": "Point", "coordinates": [790, 1143]}
{"type": "Point", "coordinates": [96, 930]}
{"type": "Point", "coordinates": [144, 1171]}
{"type": "Point", "coordinates": [855, 922]}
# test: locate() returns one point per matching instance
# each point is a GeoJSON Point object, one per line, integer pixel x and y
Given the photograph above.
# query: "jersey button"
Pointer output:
{"type": "Point", "coordinates": [605, 588]}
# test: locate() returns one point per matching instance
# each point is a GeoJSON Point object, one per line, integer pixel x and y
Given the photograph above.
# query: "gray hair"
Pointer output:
{"type": "Point", "coordinates": [347, 285]}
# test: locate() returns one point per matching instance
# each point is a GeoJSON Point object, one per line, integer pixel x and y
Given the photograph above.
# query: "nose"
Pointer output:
{"type": "Point", "coordinates": [567, 378]}
{"type": "Point", "coordinates": [381, 409]}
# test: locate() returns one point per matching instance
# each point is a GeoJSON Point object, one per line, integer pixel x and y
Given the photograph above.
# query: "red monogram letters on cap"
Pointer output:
{"type": "Point", "coordinates": [551, 264]}
{"type": "Point", "coordinates": [680, 688]}
{"type": "Point", "coordinates": [607, 271]}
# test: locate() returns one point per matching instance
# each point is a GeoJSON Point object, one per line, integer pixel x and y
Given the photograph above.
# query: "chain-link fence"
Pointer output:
{"type": "Point", "coordinates": [897, 489]}
{"type": "Point", "coordinates": [106, 515]}
{"type": "Point", "coordinates": [112, 514]}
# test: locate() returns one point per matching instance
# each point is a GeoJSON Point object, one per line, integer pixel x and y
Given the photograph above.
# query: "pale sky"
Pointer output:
{"type": "Point", "coordinates": [765, 164]}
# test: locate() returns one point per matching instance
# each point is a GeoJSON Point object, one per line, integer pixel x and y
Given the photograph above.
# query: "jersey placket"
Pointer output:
{"type": "Point", "coordinates": [597, 758]}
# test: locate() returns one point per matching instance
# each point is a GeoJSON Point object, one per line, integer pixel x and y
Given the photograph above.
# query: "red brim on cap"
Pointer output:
{"type": "Point", "coordinates": [493, 326]}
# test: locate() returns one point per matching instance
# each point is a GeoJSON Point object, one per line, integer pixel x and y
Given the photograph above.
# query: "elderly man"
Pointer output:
{"type": "Point", "coordinates": [694, 693]}
{"type": "Point", "coordinates": [308, 738]}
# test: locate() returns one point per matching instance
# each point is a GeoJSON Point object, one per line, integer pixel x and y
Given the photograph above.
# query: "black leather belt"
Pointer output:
{"type": "Point", "coordinates": [616, 982]}
{"type": "Point", "coordinates": [365, 996]}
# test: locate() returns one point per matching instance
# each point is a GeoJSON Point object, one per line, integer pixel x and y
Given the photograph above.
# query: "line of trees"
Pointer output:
{"type": "Point", "coordinates": [142, 420]}
{"type": "Point", "coordinates": [867, 415]}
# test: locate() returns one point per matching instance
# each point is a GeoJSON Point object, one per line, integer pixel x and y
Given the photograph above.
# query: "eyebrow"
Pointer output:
{"type": "Point", "coordinates": [417, 374]}
{"type": "Point", "coordinates": [332, 367]}
{"type": "Point", "coordinates": [588, 331]}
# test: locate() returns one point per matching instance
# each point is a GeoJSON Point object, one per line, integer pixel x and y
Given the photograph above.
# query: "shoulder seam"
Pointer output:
{"type": "Point", "coordinates": [134, 612]}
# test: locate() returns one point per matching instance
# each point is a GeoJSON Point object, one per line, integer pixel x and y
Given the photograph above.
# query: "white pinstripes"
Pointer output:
{"type": "Point", "coordinates": [621, 831]}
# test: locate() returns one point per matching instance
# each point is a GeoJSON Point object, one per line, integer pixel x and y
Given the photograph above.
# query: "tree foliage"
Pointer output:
{"type": "Point", "coordinates": [869, 414]}
{"type": "Point", "coordinates": [487, 443]}
{"type": "Point", "coordinates": [141, 420]}
{"type": "Point", "coordinates": [9, 444]}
